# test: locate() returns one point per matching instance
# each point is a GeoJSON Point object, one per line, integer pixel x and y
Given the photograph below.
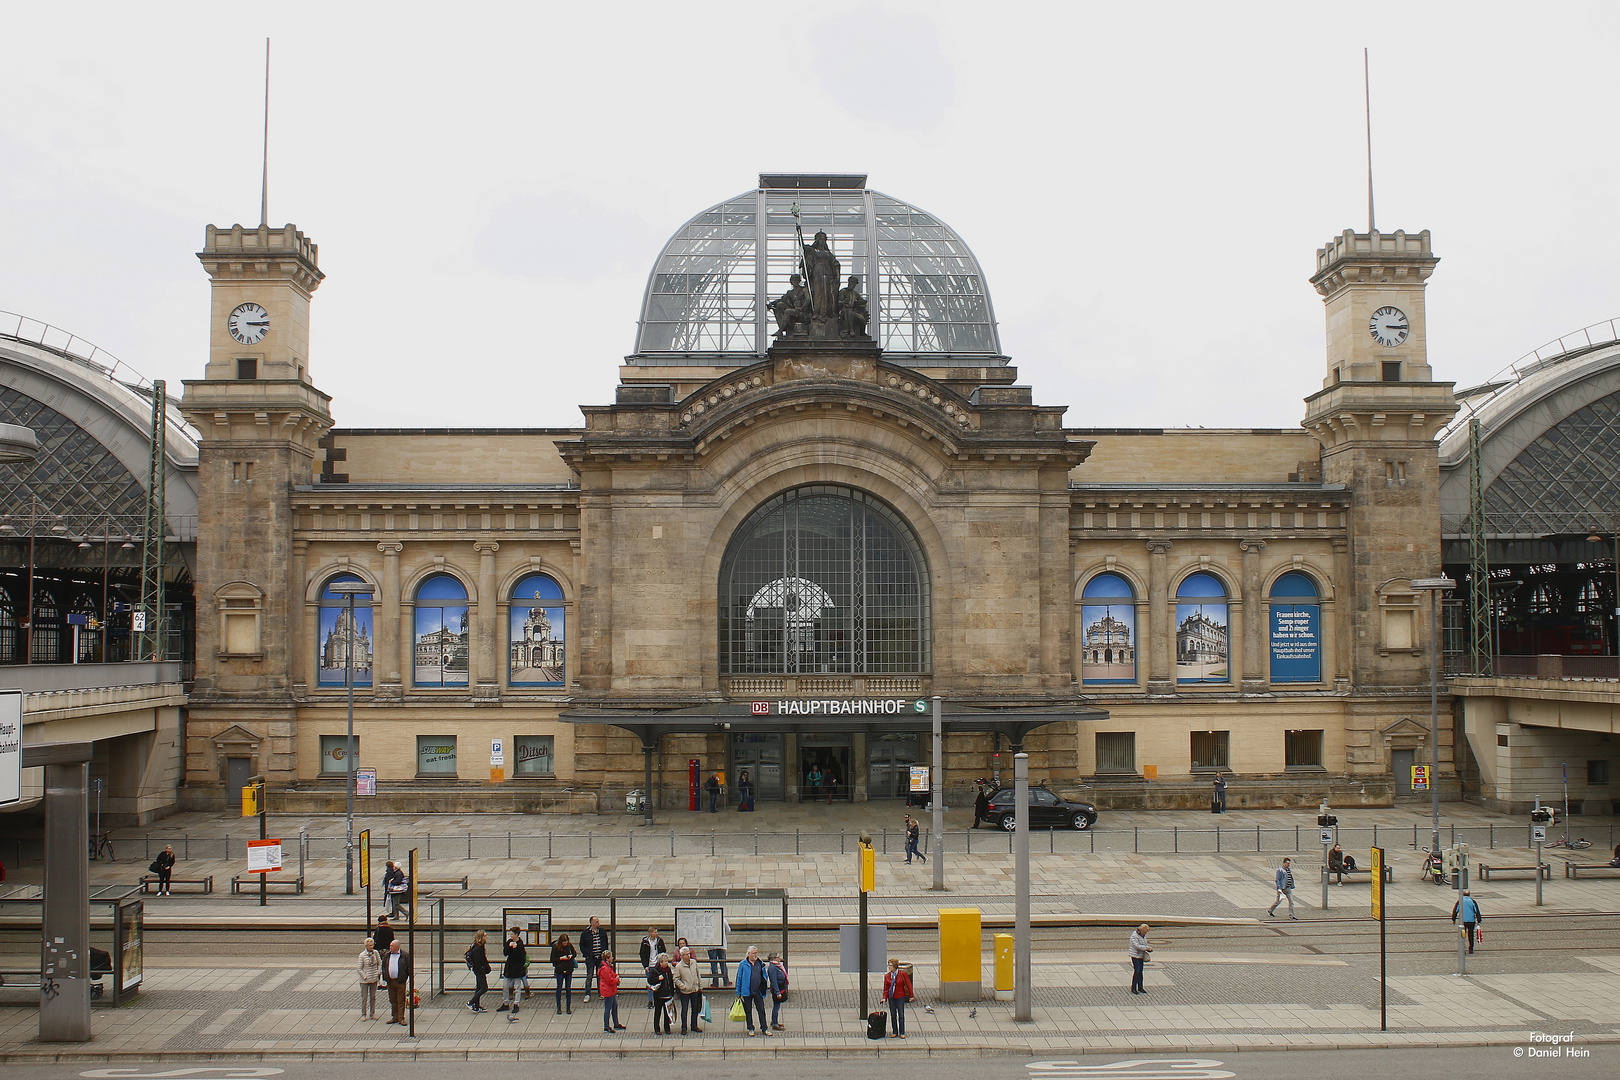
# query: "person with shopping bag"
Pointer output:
{"type": "Point", "coordinates": [752, 981]}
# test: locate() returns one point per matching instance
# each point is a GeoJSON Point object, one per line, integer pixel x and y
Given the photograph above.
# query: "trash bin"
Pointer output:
{"type": "Point", "coordinates": [876, 1022]}
{"type": "Point", "coordinates": [633, 800]}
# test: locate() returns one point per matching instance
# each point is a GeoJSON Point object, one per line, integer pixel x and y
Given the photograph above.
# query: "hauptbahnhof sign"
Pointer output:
{"type": "Point", "coordinates": [838, 707]}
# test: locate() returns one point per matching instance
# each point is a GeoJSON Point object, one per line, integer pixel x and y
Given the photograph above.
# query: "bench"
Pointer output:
{"type": "Point", "coordinates": [249, 883]}
{"type": "Point", "coordinates": [149, 882]}
{"type": "Point", "coordinates": [1389, 873]}
{"type": "Point", "coordinates": [1486, 870]}
{"type": "Point", "coordinates": [1574, 869]}
{"type": "Point", "coordinates": [440, 881]}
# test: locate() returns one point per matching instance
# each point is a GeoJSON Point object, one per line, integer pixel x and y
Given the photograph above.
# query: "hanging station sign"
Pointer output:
{"type": "Point", "coordinates": [838, 707]}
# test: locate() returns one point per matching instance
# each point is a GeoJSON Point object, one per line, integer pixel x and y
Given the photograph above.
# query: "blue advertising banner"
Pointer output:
{"type": "Point", "coordinates": [1296, 643]}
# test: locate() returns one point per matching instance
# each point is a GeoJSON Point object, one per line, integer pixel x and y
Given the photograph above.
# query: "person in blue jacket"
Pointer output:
{"type": "Point", "coordinates": [1469, 910]}
{"type": "Point", "coordinates": [752, 982]}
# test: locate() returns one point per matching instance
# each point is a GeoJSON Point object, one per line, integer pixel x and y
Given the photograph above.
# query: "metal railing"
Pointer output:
{"type": "Point", "coordinates": [1556, 351]}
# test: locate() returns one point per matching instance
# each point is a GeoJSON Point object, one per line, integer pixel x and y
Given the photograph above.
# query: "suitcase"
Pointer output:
{"type": "Point", "coordinates": [1214, 804]}
{"type": "Point", "coordinates": [876, 1023]}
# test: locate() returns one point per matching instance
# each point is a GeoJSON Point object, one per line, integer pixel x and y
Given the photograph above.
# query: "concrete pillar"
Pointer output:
{"type": "Point", "coordinates": [793, 775]}
{"type": "Point", "coordinates": [385, 620]}
{"type": "Point", "coordinates": [1338, 664]}
{"type": "Point", "coordinates": [858, 767]}
{"type": "Point", "coordinates": [1255, 619]}
{"type": "Point", "coordinates": [64, 985]}
{"type": "Point", "coordinates": [484, 630]}
{"type": "Point", "coordinates": [1161, 628]}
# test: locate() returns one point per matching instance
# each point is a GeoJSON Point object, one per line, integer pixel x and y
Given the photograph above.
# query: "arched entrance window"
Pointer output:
{"type": "Point", "coordinates": [537, 633]}
{"type": "Point", "coordinates": [824, 579]}
{"type": "Point", "coordinates": [337, 636]}
{"type": "Point", "coordinates": [441, 632]}
{"type": "Point", "coordinates": [1296, 630]}
{"type": "Point", "coordinates": [8, 630]}
{"type": "Point", "coordinates": [46, 633]}
{"type": "Point", "coordinates": [1201, 642]}
{"type": "Point", "coordinates": [1108, 630]}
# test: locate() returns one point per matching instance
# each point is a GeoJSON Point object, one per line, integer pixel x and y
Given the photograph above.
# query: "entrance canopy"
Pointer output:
{"type": "Point", "coordinates": [880, 715]}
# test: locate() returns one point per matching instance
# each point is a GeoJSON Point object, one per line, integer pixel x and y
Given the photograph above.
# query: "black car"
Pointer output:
{"type": "Point", "coordinates": [1046, 810]}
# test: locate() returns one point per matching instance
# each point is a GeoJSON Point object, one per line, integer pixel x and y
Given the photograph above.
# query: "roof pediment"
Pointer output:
{"type": "Point", "coordinates": [1405, 726]}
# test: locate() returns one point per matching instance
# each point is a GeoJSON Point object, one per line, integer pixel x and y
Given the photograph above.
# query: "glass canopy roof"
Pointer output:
{"type": "Point", "coordinates": [707, 294]}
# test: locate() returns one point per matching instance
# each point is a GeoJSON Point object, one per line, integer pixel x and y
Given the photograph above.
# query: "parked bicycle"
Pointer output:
{"type": "Point", "coordinates": [101, 843]}
{"type": "Point", "coordinates": [1580, 843]}
{"type": "Point", "coordinates": [1434, 867]}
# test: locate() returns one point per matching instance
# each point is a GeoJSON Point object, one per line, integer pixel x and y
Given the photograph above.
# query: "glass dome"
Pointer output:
{"type": "Point", "coordinates": [707, 294]}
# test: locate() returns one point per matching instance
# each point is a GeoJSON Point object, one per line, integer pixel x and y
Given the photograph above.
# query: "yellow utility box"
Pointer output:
{"type": "Point", "coordinates": [1005, 965]}
{"type": "Point", "coordinates": [961, 969]}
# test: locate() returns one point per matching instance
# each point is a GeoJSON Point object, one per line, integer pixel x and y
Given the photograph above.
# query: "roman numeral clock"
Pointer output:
{"type": "Point", "coordinates": [1389, 326]}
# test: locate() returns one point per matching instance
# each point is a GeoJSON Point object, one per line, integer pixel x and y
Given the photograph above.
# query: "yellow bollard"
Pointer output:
{"type": "Point", "coordinates": [1003, 951]}
{"type": "Point", "coordinates": [961, 969]}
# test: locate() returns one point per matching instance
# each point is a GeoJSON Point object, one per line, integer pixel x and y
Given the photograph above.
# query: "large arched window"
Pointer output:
{"type": "Point", "coordinates": [824, 579]}
{"type": "Point", "coordinates": [8, 630]}
{"type": "Point", "coordinates": [45, 635]}
{"type": "Point", "coordinates": [1296, 630]}
{"type": "Point", "coordinates": [537, 633]}
{"type": "Point", "coordinates": [1201, 644]}
{"type": "Point", "coordinates": [1108, 630]}
{"type": "Point", "coordinates": [441, 632]}
{"type": "Point", "coordinates": [338, 640]}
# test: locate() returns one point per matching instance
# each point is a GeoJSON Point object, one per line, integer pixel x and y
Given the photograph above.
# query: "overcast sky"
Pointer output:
{"type": "Point", "coordinates": [1145, 185]}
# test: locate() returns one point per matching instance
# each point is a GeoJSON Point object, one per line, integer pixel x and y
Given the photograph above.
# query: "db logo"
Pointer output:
{"type": "Point", "coordinates": [760, 708]}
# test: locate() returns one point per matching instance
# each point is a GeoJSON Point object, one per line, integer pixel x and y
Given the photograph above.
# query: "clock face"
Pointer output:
{"type": "Point", "coordinates": [250, 322]}
{"type": "Point", "coordinates": [1389, 326]}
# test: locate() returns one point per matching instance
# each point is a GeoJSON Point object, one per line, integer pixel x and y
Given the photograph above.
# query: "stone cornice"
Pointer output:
{"type": "Point", "coordinates": [1356, 412]}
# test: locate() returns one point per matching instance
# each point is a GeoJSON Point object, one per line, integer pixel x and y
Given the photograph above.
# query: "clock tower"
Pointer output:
{"type": "Point", "coordinates": [259, 312]}
{"type": "Point", "coordinates": [1373, 285]}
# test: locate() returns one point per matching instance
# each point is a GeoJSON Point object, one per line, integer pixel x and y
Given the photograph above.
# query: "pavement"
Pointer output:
{"type": "Point", "coordinates": [1225, 977]}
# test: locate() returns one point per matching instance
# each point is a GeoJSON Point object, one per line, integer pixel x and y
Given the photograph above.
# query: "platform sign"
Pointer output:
{"type": "Point", "coordinates": [137, 622]}
{"type": "Point", "coordinates": [1377, 883]}
{"type": "Point", "coordinates": [1420, 778]}
{"type": "Point", "coordinates": [1327, 836]}
{"type": "Point", "coordinates": [365, 781]}
{"type": "Point", "coordinates": [919, 779]}
{"type": "Point", "coordinates": [1383, 939]}
{"type": "Point", "coordinates": [365, 858]}
{"type": "Point", "coordinates": [868, 868]}
{"type": "Point", "coordinates": [264, 856]}
{"type": "Point", "coordinates": [10, 747]}
{"type": "Point", "coordinates": [1538, 834]}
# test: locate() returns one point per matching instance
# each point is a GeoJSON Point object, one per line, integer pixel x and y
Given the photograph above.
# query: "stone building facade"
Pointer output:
{"type": "Point", "coordinates": [771, 554]}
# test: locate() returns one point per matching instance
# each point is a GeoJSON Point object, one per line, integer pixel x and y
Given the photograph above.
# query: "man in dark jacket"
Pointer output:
{"type": "Point", "coordinates": [713, 788]}
{"type": "Point", "coordinates": [651, 946]}
{"type": "Point", "coordinates": [512, 972]}
{"type": "Point", "coordinates": [396, 888]}
{"type": "Point", "coordinates": [397, 973]}
{"type": "Point", "coordinates": [592, 944]}
{"type": "Point", "coordinates": [981, 805]}
{"type": "Point", "coordinates": [382, 935]}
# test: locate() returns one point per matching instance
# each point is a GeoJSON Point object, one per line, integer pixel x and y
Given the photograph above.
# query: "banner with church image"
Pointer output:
{"type": "Point", "coordinates": [537, 634]}
{"type": "Point", "coordinates": [337, 635]}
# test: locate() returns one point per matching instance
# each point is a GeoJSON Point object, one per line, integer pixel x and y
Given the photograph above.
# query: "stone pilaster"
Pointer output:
{"type": "Point", "coordinates": [386, 674]}
{"type": "Point", "coordinates": [1161, 627]}
{"type": "Point", "coordinates": [1256, 616]}
{"type": "Point", "coordinates": [484, 633]}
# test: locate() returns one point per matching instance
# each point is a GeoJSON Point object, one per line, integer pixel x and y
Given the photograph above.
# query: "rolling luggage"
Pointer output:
{"type": "Point", "coordinates": [876, 1023]}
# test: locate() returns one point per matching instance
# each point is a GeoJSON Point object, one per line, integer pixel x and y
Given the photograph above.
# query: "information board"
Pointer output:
{"type": "Point", "coordinates": [1296, 643]}
{"type": "Point", "coordinates": [263, 856]}
{"type": "Point", "coordinates": [1378, 883]}
{"type": "Point", "coordinates": [1420, 778]}
{"type": "Point", "coordinates": [703, 928]}
{"type": "Point", "coordinates": [919, 779]}
{"type": "Point", "coordinates": [10, 747]}
{"type": "Point", "coordinates": [533, 923]}
{"type": "Point", "coordinates": [365, 858]}
{"type": "Point", "coordinates": [130, 945]}
{"type": "Point", "coordinates": [365, 781]}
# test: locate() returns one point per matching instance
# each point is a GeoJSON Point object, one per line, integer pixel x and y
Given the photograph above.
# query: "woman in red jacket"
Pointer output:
{"type": "Point", "coordinates": [607, 981]}
{"type": "Point", "coordinates": [897, 991]}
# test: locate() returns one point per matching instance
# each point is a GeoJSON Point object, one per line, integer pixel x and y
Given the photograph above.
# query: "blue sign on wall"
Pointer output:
{"type": "Point", "coordinates": [1296, 643]}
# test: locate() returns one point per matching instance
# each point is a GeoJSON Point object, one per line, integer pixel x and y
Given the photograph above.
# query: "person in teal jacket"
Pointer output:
{"type": "Point", "coordinates": [1468, 908]}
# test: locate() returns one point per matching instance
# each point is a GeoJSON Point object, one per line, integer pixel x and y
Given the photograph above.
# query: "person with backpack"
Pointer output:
{"type": "Point", "coordinates": [897, 991]}
{"type": "Point", "coordinates": [512, 968]}
{"type": "Point", "coordinates": [776, 980]}
{"type": "Point", "coordinates": [563, 956]}
{"type": "Point", "coordinates": [607, 985]}
{"type": "Point", "coordinates": [478, 963]}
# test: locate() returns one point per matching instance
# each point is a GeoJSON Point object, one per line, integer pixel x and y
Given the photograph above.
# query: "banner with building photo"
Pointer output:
{"type": "Point", "coordinates": [1108, 643]}
{"type": "Point", "coordinates": [1201, 634]}
{"type": "Point", "coordinates": [537, 633]}
{"type": "Point", "coordinates": [441, 646]}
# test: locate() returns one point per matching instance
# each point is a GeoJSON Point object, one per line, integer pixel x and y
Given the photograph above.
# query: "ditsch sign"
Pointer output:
{"type": "Point", "coordinates": [838, 707]}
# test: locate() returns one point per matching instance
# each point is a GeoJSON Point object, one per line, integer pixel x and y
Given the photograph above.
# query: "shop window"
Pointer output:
{"type": "Point", "coordinates": [335, 754]}
{"type": "Point", "coordinates": [1302, 749]}
{"type": "Point", "coordinates": [1108, 630]}
{"type": "Point", "coordinates": [436, 756]}
{"type": "Point", "coordinates": [537, 634]}
{"type": "Point", "coordinates": [1201, 641]}
{"type": "Point", "coordinates": [534, 755]}
{"type": "Point", "coordinates": [341, 641]}
{"type": "Point", "coordinates": [1597, 773]}
{"type": "Point", "coordinates": [1116, 751]}
{"type": "Point", "coordinates": [442, 650]}
{"type": "Point", "coordinates": [1296, 630]}
{"type": "Point", "coordinates": [1209, 749]}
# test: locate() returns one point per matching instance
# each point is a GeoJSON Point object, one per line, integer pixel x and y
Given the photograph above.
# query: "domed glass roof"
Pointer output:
{"type": "Point", "coordinates": [707, 294]}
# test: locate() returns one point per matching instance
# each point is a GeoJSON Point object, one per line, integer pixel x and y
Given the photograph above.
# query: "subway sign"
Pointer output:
{"type": "Point", "coordinates": [839, 707]}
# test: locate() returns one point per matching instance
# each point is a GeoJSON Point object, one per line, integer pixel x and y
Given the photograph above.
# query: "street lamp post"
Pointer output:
{"type": "Point", "coordinates": [349, 589]}
{"type": "Point", "coordinates": [1434, 587]}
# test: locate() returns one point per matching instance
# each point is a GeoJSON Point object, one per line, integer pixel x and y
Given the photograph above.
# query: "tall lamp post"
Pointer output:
{"type": "Point", "coordinates": [350, 589]}
{"type": "Point", "coordinates": [1434, 587]}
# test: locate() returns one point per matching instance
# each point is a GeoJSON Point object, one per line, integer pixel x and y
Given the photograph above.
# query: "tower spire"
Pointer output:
{"type": "Point", "coordinates": [1366, 86]}
{"type": "Point", "coordinates": [264, 179]}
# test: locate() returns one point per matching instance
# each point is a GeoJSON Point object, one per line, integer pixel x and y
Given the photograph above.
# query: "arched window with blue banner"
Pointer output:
{"type": "Point", "coordinates": [537, 633]}
{"type": "Point", "coordinates": [441, 632]}
{"type": "Point", "coordinates": [1201, 637]}
{"type": "Point", "coordinates": [1108, 630]}
{"type": "Point", "coordinates": [340, 641]}
{"type": "Point", "coordinates": [1296, 630]}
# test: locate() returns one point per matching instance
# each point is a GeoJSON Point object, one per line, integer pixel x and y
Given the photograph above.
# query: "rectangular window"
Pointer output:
{"type": "Point", "coordinates": [247, 367]}
{"type": "Point", "coordinates": [436, 756]}
{"type": "Point", "coordinates": [1392, 371]}
{"type": "Point", "coordinates": [1501, 738]}
{"type": "Point", "coordinates": [335, 754]}
{"type": "Point", "coordinates": [533, 755]}
{"type": "Point", "coordinates": [1116, 751]}
{"type": "Point", "coordinates": [1209, 749]}
{"type": "Point", "coordinates": [1302, 749]}
{"type": "Point", "coordinates": [1597, 773]}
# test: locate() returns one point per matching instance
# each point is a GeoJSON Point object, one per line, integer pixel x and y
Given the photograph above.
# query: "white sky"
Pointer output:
{"type": "Point", "coordinates": [1144, 184]}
